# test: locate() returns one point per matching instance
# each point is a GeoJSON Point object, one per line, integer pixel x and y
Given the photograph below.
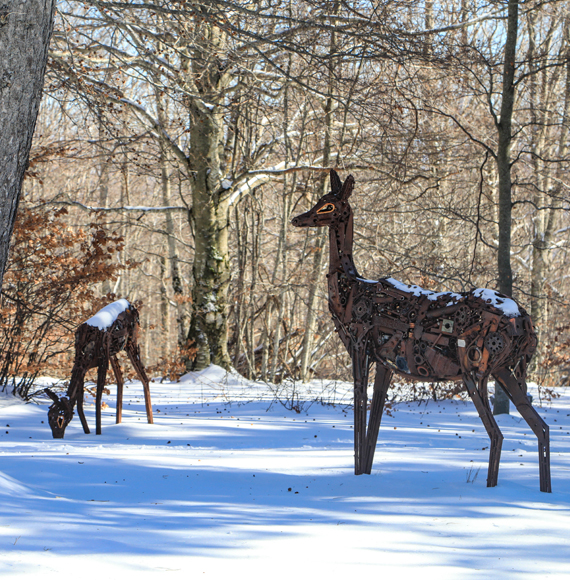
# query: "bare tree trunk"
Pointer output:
{"type": "Point", "coordinates": [164, 310]}
{"type": "Point", "coordinates": [463, 18]}
{"type": "Point", "coordinates": [281, 253]}
{"type": "Point", "coordinates": [428, 23]}
{"type": "Point", "coordinates": [240, 306]}
{"type": "Point", "coordinates": [309, 337]}
{"type": "Point", "coordinates": [281, 260]}
{"type": "Point", "coordinates": [25, 30]}
{"type": "Point", "coordinates": [504, 153]}
{"type": "Point", "coordinates": [103, 201]}
{"type": "Point", "coordinates": [175, 277]}
{"type": "Point", "coordinates": [124, 280]}
{"type": "Point", "coordinates": [316, 274]}
{"type": "Point", "coordinates": [505, 275]}
{"type": "Point", "coordinates": [546, 221]}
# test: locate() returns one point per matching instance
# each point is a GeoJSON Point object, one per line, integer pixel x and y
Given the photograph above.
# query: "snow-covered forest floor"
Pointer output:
{"type": "Point", "coordinates": [229, 482]}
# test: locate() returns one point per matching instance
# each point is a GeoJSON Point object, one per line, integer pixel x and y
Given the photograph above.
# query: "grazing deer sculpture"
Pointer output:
{"type": "Point", "coordinates": [97, 342]}
{"type": "Point", "coordinates": [424, 336]}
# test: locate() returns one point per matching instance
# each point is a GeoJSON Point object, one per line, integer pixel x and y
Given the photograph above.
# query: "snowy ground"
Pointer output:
{"type": "Point", "coordinates": [227, 482]}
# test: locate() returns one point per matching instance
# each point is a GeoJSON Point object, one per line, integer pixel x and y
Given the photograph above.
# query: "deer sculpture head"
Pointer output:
{"type": "Point", "coordinates": [59, 414]}
{"type": "Point", "coordinates": [332, 209]}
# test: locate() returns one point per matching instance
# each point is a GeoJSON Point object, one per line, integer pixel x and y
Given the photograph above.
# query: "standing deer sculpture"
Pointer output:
{"type": "Point", "coordinates": [97, 342]}
{"type": "Point", "coordinates": [423, 336]}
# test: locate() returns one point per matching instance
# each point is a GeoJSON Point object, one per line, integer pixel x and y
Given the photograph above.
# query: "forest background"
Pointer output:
{"type": "Point", "coordinates": [176, 139]}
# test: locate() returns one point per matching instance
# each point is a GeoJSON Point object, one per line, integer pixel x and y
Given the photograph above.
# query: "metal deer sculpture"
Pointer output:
{"type": "Point", "coordinates": [425, 336]}
{"type": "Point", "coordinates": [97, 342]}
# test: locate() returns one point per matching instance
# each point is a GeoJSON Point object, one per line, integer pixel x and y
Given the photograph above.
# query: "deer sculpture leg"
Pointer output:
{"type": "Point", "coordinates": [381, 384]}
{"type": "Point", "coordinates": [478, 392]}
{"type": "Point", "coordinates": [81, 413]}
{"type": "Point", "coordinates": [134, 357]}
{"type": "Point", "coordinates": [101, 375]}
{"type": "Point", "coordinates": [120, 383]}
{"type": "Point", "coordinates": [517, 393]}
{"type": "Point", "coordinates": [360, 369]}
{"type": "Point", "coordinates": [77, 387]}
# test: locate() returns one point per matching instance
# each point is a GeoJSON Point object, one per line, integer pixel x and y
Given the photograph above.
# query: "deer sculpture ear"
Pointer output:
{"type": "Point", "coordinates": [51, 395]}
{"type": "Point", "coordinates": [347, 188]}
{"type": "Point", "coordinates": [336, 183]}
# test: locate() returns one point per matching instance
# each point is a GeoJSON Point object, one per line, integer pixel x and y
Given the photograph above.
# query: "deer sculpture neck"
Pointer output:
{"type": "Point", "coordinates": [341, 239]}
{"type": "Point", "coordinates": [423, 336]}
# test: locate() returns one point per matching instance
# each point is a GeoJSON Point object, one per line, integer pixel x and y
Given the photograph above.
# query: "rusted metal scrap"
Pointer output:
{"type": "Point", "coordinates": [97, 342]}
{"type": "Point", "coordinates": [424, 336]}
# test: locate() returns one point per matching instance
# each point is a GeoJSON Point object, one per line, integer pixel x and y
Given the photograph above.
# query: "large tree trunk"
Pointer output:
{"type": "Point", "coordinates": [210, 272]}
{"type": "Point", "coordinates": [504, 128]}
{"type": "Point", "coordinates": [25, 30]}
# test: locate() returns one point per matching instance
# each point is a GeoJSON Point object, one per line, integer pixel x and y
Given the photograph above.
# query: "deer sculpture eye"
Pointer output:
{"type": "Point", "coordinates": [326, 208]}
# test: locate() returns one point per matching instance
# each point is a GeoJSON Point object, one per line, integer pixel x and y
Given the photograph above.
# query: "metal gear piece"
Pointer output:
{"type": "Point", "coordinates": [495, 343]}
{"type": "Point", "coordinates": [362, 308]}
{"type": "Point", "coordinates": [461, 316]}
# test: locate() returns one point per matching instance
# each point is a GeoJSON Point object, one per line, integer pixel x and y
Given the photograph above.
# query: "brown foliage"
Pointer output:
{"type": "Point", "coordinates": [49, 288]}
{"type": "Point", "coordinates": [174, 365]}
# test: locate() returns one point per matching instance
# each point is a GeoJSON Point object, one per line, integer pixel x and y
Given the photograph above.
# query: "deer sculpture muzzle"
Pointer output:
{"type": "Point", "coordinates": [329, 210]}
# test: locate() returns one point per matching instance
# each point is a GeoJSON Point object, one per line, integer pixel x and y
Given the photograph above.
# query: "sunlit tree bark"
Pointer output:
{"type": "Point", "coordinates": [25, 30]}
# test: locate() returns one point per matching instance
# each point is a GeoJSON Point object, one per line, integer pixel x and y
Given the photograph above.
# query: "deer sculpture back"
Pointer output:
{"type": "Point", "coordinates": [97, 342]}
{"type": "Point", "coordinates": [423, 336]}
